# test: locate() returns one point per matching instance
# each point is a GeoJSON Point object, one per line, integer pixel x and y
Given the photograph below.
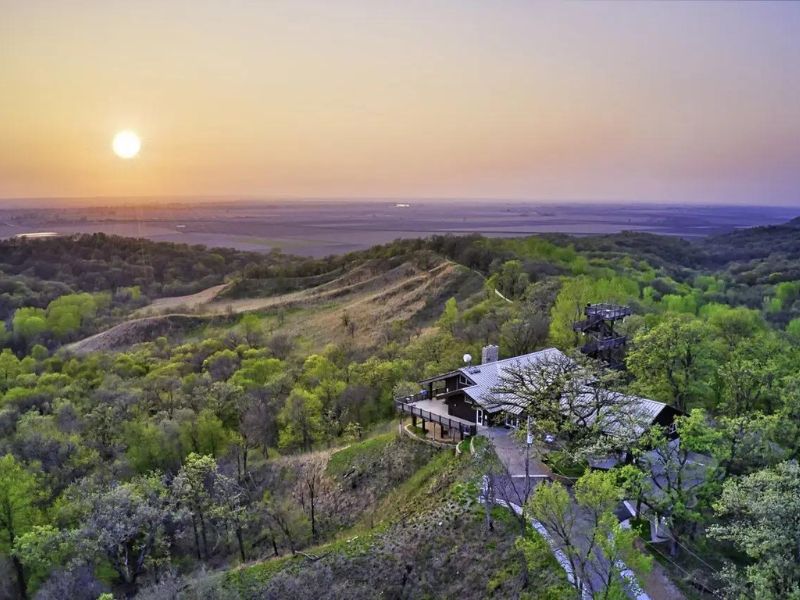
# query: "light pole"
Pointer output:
{"type": "Point", "coordinates": [528, 442]}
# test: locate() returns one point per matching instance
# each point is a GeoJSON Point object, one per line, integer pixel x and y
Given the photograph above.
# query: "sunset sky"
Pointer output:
{"type": "Point", "coordinates": [675, 102]}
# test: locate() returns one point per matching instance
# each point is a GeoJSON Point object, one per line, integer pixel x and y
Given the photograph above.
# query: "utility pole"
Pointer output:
{"type": "Point", "coordinates": [528, 442]}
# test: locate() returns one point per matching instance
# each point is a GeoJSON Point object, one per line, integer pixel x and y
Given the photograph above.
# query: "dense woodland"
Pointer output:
{"type": "Point", "coordinates": [144, 469]}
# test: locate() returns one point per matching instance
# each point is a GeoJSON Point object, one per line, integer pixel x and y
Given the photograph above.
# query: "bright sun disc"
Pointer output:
{"type": "Point", "coordinates": [126, 144]}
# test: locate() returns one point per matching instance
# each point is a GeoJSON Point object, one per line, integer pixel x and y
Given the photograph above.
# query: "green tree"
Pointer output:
{"type": "Point", "coordinates": [671, 360]}
{"type": "Point", "coordinates": [258, 372]}
{"type": "Point", "coordinates": [191, 489]}
{"type": "Point", "coordinates": [679, 476]}
{"type": "Point", "coordinates": [747, 381]}
{"type": "Point", "coordinates": [787, 293]}
{"type": "Point", "coordinates": [733, 325]}
{"type": "Point", "coordinates": [66, 314]}
{"type": "Point", "coordinates": [787, 431]}
{"type": "Point", "coordinates": [149, 447]}
{"type": "Point", "coordinates": [523, 335]}
{"type": "Point", "coordinates": [222, 364]}
{"type": "Point", "coordinates": [252, 329]}
{"type": "Point", "coordinates": [747, 443]}
{"type": "Point", "coordinates": [511, 280]}
{"type": "Point", "coordinates": [588, 533]}
{"type": "Point", "coordinates": [42, 549]}
{"type": "Point", "coordinates": [19, 490]}
{"type": "Point", "coordinates": [29, 323]}
{"type": "Point", "coordinates": [793, 328]}
{"type": "Point", "coordinates": [215, 502]}
{"type": "Point", "coordinates": [301, 420]}
{"type": "Point", "coordinates": [205, 434]}
{"type": "Point", "coordinates": [9, 369]}
{"type": "Point", "coordinates": [449, 316]}
{"type": "Point", "coordinates": [760, 516]}
{"type": "Point", "coordinates": [546, 578]}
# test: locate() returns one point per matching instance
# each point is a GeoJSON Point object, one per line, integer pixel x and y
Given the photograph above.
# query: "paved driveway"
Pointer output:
{"type": "Point", "coordinates": [511, 453]}
{"type": "Point", "coordinates": [512, 486]}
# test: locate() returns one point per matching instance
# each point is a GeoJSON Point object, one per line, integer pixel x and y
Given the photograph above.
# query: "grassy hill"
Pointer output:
{"type": "Point", "coordinates": [353, 307]}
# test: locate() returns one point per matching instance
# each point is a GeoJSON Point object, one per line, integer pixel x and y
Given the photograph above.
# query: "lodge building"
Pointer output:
{"type": "Point", "coordinates": [463, 401]}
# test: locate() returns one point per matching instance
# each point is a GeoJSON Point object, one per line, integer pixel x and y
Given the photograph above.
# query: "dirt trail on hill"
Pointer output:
{"type": "Point", "coordinates": [371, 297]}
{"type": "Point", "coordinates": [133, 332]}
{"type": "Point", "coordinates": [383, 283]}
{"type": "Point", "coordinates": [175, 303]}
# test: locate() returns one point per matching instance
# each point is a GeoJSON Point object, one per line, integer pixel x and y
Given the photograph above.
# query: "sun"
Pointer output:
{"type": "Point", "coordinates": [126, 144]}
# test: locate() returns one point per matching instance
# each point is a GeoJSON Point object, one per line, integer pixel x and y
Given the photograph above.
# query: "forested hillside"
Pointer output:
{"type": "Point", "coordinates": [249, 450]}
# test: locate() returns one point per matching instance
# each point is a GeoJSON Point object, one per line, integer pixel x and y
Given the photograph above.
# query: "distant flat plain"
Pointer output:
{"type": "Point", "coordinates": [320, 228]}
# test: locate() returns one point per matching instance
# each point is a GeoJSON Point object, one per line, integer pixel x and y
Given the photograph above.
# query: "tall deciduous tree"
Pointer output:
{"type": "Point", "coordinates": [760, 515]}
{"type": "Point", "coordinates": [570, 398]}
{"type": "Point", "coordinates": [215, 502]}
{"type": "Point", "coordinates": [679, 473]}
{"type": "Point", "coordinates": [18, 513]}
{"type": "Point", "coordinates": [191, 490]}
{"type": "Point", "coordinates": [301, 418]}
{"type": "Point", "coordinates": [588, 533]}
{"type": "Point", "coordinates": [670, 360]}
{"type": "Point", "coordinates": [125, 525]}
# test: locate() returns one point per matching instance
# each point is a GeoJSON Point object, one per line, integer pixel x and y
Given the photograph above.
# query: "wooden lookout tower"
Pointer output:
{"type": "Point", "coordinates": [601, 341]}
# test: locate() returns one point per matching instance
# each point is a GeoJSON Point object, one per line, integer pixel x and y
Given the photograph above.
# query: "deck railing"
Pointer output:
{"type": "Point", "coordinates": [607, 311]}
{"type": "Point", "coordinates": [404, 405]}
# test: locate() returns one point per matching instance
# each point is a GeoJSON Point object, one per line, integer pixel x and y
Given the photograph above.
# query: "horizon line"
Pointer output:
{"type": "Point", "coordinates": [232, 198]}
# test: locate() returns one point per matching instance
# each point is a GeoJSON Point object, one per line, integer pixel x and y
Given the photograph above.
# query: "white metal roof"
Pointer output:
{"type": "Point", "coordinates": [488, 376]}
{"type": "Point", "coordinates": [485, 377]}
{"type": "Point", "coordinates": [638, 416]}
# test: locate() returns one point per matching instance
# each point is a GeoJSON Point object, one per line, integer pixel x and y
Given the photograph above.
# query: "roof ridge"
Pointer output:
{"type": "Point", "coordinates": [505, 360]}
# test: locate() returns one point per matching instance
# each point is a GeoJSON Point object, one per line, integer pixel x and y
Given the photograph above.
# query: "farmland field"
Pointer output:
{"type": "Point", "coordinates": [320, 228]}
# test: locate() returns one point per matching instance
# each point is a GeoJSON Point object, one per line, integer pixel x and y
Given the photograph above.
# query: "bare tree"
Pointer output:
{"type": "Point", "coordinates": [348, 324]}
{"type": "Point", "coordinates": [526, 334]}
{"type": "Point", "coordinates": [312, 485]}
{"type": "Point", "coordinates": [570, 398]}
{"type": "Point", "coordinates": [280, 346]}
{"type": "Point", "coordinates": [498, 484]}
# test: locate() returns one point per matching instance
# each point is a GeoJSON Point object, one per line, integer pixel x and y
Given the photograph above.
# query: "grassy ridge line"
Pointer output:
{"type": "Point", "coordinates": [404, 289]}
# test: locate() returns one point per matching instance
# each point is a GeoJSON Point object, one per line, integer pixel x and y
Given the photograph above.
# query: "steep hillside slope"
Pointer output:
{"type": "Point", "coordinates": [426, 539]}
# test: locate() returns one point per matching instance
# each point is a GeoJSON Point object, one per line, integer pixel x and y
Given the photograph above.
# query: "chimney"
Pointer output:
{"type": "Point", "coordinates": [489, 354]}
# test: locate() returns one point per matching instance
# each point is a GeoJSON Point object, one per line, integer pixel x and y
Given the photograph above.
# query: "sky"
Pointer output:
{"type": "Point", "coordinates": [654, 102]}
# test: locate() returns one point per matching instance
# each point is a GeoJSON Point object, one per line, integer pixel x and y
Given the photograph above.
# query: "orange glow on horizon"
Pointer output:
{"type": "Point", "coordinates": [596, 101]}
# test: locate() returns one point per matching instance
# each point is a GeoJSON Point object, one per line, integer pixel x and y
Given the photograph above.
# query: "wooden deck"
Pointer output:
{"type": "Point", "coordinates": [434, 411]}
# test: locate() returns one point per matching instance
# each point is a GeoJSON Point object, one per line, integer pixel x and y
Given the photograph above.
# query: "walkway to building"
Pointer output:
{"type": "Point", "coordinates": [511, 452]}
